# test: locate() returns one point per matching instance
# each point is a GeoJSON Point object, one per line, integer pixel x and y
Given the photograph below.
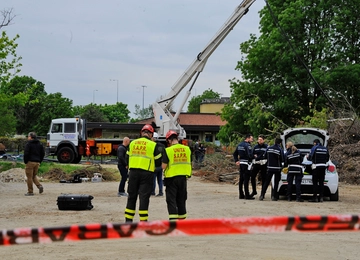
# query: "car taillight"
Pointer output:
{"type": "Point", "coordinates": [331, 168]}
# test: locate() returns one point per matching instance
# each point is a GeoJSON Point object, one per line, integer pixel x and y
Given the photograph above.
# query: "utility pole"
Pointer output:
{"type": "Point", "coordinates": [94, 96]}
{"type": "Point", "coordinates": [143, 96]}
{"type": "Point", "coordinates": [117, 89]}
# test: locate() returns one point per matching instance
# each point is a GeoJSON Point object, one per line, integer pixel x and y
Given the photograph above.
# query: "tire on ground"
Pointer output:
{"type": "Point", "coordinates": [335, 196]}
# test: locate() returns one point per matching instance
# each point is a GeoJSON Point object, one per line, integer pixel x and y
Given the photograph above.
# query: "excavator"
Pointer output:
{"type": "Point", "coordinates": [164, 119]}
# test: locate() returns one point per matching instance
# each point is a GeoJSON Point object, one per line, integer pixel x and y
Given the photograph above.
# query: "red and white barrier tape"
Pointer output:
{"type": "Point", "coordinates": [191, 227]}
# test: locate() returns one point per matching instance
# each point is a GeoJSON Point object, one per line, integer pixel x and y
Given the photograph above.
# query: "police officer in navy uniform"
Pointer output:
{"type": "Point", "coordinates": [259, 163]}
{"type": "Point", "coordinates": [244, 152]}
{"type": "Point", "coordinates": [275, 158]}
{"type": "Point", "coordinates": [295, 170]}
{"type": "Point", "coordinates": [319, 155]}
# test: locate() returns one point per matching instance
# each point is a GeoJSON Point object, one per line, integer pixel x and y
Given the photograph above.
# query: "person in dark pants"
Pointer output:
{"type": "Point", "coordinates": [244, 152]}
{"type": "Point", "coordinates": [176, 163]}
{"type": "Point", "coordinates": [295, 170]}
{"type": "Point", "coordinates": [202, 151]}
{"type": "Point", "coordinates": [158, 174]}
{"type": "Point", "coordinates": [33, 155]}
{"type": "Point", "coordinates": [319, 155]}
{"type": "Point", "coordinates": [143, 155]}
{"type": "Point", "coordinates": [259, 163]}
{"type": "Point", "coordinates": [275, 158]}
{"type": "Point", "coordinates": [197, 151]}
{"type": "Point", "coordinates": [123, 166]}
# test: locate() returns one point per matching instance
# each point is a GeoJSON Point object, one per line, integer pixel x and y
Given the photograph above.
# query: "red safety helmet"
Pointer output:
{"type": "Point", "coordinates": [148, 128]}
{"type": "Point", "coordinates": [170, 133]}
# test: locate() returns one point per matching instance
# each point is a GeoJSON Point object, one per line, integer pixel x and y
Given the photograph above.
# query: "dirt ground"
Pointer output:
{"type": "Point", "coordinates": [205, 200]}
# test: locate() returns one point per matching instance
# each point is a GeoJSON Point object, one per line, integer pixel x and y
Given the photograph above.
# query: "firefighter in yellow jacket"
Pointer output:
{"type": "Point", "coordinates": [176, 163]}
{"type": "Point", "coordinates": [143, 153]}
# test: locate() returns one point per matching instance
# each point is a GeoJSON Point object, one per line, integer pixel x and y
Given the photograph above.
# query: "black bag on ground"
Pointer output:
{"type": "Point", "coordinates": [74, 202]}
{"type": "Point", "coordinates": [76, 179]}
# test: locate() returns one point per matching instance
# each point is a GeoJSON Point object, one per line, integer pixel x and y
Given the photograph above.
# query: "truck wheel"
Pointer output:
{"type": "Point", "coordinates": [65, 155]}
{"type": "Point", "coordinates": [335, 196]}
{"type": "Point", "coordinates": [77, 159]}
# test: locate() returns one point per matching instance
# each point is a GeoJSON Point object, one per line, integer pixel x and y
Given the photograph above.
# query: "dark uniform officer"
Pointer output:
{"type": "Point", "coordinates": [295, 170]}
{"type": "Point", "coordinates": [123, 165]}
{"type": "Point", "coordinates": [143, 153]}
{"type": "Point", "coordinates": [275, 157]}
{"type": "Point", "coordinates": [259, 163]}
{"type": "Point", "coordinates": [319, 155]}
{"type": "Point", "coordinates": [244, 152]}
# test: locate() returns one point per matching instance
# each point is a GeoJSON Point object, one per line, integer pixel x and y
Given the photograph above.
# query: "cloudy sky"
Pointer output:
{"type": "Point", "coordinates": [76, 47]}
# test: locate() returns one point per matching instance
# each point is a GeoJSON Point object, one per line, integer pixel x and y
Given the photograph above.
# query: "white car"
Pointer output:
{"type": "Point", "coordinates": [303, 139]}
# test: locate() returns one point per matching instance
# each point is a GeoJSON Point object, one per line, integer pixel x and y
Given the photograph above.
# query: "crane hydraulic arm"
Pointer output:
{"type": "Point", "coordinates": [164, 119]}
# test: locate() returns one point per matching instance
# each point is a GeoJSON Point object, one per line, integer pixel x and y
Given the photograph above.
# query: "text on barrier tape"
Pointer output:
{"type": "Point", "coordinates": [191, 227]}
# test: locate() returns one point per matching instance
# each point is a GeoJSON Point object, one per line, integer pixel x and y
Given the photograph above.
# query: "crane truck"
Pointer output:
{"type": "Point", "coordinates": [67, 136]}
{"type": "Point", "coordinates": [164, 119]}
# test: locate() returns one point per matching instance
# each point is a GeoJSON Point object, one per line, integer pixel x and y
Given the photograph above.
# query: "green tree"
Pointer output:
{"type": "Point", "coordinates": [53, 106]}
{"type": "Point", "coordinates": [118, 113]}
{"type": "Point", "coordinates": [9, 60]}
{"type": "Point", "coordinates": [7, 118]}
{"type": "Point", "coordinates": [93, 113]}
{"type": "Point", "coordinates": [276, 91]}
{"type": "Point", "coordinates": [78, 110]}
{"type": "Point", "coordinates": [194, 103]}
{"type": "Point", "coordinates": [28, 105]}
{"type": "Point", "coordinates": [143, 113]}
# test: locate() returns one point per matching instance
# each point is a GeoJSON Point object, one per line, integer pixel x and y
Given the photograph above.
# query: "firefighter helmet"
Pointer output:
{"type": "Point", "coordinates": [148, 128]}
{"type": "Point", "coordinates": [170, 133]}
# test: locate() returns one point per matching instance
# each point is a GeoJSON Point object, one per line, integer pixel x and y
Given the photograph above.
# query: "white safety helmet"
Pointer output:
{"type": "Point", "coordinates": [155, 135]}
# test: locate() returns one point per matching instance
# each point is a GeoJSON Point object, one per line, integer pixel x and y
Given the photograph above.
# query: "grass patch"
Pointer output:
{"type": "Point", "coordinates": [46, 167]}
{"type": "Point", "coordinates": [7, 165]}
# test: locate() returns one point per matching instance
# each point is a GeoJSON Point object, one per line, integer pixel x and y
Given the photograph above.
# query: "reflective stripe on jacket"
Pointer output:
{"type": "Point", "coordinates": [275, 158]}
{"type": "Point", "coordinates": [319, 155]}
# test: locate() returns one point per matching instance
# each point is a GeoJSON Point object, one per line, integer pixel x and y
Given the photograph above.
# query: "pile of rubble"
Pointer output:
{"type": "Point", "coordinates": [13, 175]}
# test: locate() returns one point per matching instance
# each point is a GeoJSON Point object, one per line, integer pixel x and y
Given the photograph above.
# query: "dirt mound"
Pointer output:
{"type": "Point", "coordinates": [347, 160]}
{"type": "Point", "coordinates": [13, 175]}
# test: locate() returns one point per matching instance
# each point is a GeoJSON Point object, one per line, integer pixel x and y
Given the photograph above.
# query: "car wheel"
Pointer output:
{"type": "Point", "coordinates": [335, 196]}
